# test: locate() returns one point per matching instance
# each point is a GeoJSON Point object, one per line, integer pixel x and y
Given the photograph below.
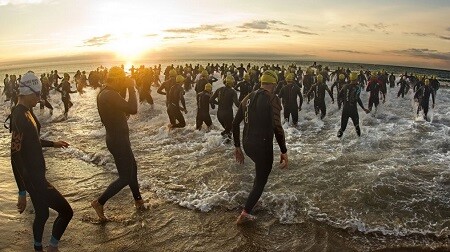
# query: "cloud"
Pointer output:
{"type": "Point", "coordinates": [260, 25]}
{"type": "Point", "coordinates": [364, 27]}
{"type": "Point", "coordinates": [348, 51]}
{"type": "Point", "coordinates": [262, 32]}
{"type": "Point", "coordinates": [97, 41]}
{"type": "Point", "coordinates": [301, 27]}
{"type": "Point", "coordinates": [420, 34]}
{"type": "Point", "coordinates": [277, 22]}
{"type": "Point", "coordinates": [423, 53]}
{"type": "Point", "coordinates": [305, 32]}
{"type": "Point", "coordinates": [151, 35]}
{"type": "Point", "coordinates": [221, 38]}
{"type": "Point", "coordinates": [287, 36]}
{"type": "Point", "coordinates": [444, 37]}
{"type": "Point", "coordinates": [174, 37]}
{"type": "Point", "coordinates": [200, 29]}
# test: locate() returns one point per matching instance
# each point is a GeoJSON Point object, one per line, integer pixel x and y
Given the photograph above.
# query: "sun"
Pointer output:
{"type": "Point", "coordinates": [132, 48]}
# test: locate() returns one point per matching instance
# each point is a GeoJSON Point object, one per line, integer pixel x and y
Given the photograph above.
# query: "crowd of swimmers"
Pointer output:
{"type": "Point", "coordinates": [264, 91]}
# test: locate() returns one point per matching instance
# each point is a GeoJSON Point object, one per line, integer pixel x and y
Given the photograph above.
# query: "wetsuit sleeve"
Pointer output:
{"type": "Point", "coordinates": [235, 99]}
{"type": "Point", "coordinates": [360, 101]}
{"type": "Point", "coordinates": [237, 87]}
{"type": "Point", "coordinates": [236, 124]}
{"type": "Point", "coordinates": [277, 127]}
{"type": "Point", "coordinates": [160, 89]}
{"type": "Point", "coordinates": [129, 107]}
{"type": "Point", "coordinates": [183, 102]}
{"type": "Point", "coordinates": [46, 143]}
{"type": "Point", "coordinates": [332, 88]}
{"type": "Point", "coordinates": [299, 94]}
{"type": "Point", "coordinates": [311, 90]}
{"type": "Point", "coordinates": [329, 92]}
{"type": "Point", "coordinates": [212, 100]}
{"type": "Point", "coordinates": [432, 95]}
{"type": "Point", "coordinates": [17, 161]}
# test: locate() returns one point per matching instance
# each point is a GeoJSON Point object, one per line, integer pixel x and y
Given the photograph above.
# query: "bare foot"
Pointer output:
{"type": "Point", "coordinates": [99, 210]}
{"type": "Point", "coordinates": [244, 218]}
{"type": "Point", "coordinates": [139, 204]}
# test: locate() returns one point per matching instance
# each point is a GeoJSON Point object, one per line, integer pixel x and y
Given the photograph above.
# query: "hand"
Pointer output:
{"type": "Point", "coordinates": [21, 203]}
{"type": "Point", "coordinates": [299, 109]}
{"type": "Point", "coordinates": [60, 144]}
{"type": "Point", "coordinates": [367, 111]}
{"type": "Point", "coordinates": [185, 111]}
{"type": "Point", "coordinates": [332, 101]}
{"type": "Point", "coordinates": [239, 155]}
{"type": "Point", "coordinates": [283, 161]}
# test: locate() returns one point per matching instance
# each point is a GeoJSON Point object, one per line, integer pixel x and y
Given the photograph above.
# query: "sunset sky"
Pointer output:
{"type": "Point", "coordinates": [398, 32]}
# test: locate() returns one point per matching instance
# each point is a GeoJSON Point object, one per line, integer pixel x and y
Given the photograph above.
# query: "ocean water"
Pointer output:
{"type": "Point", "coordinates": [389, 188]}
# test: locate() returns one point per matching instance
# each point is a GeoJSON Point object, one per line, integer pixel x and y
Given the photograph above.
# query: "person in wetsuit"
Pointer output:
{"type": "Point", "coordinates": [404, 87]}
{"type": "Point", "coordinates": [288, 95]}
{"type": "Point", "coordinates": [203, 108]}
{"type": "Point", "coordinates": [260, 112]}
{"type": "Point", "coordinates": [244, 87]}
{"type": "Point", "coordinates": [114, 110]}
{"type": "Point", "coordinates": [224, 97]}
{"type": "Point", "coordinates": [350, 96]}
{"type": "Point", "coordinates": [308, 81]}
{"type": "Point", "coordinates": [200, 85]}
{"type": "Point", "coordinates": [29, 167]}
{"type": "Point", "coordinates": [319, 96]}
{"type": "Point", "coordinates": [56, 78]}
{"type": "Point", "coordinates": [422, 95]}
{"type": "Point", "coordinates": [375, 88]}
{"type": "Point", "coordinates": [176, 96]}
{"type": "Point", "coordinates": [145, 91]}
{"type": "Point", "coordinates": [45, 92]}
{"type": "Point", "coordinates": [167, 85]}
{"type": "Point", "coordinates": [392, 80]}
{"type": "Point", "coordinates": [338, 84]}
{"type": "Point", "coordinates": [64, 89]}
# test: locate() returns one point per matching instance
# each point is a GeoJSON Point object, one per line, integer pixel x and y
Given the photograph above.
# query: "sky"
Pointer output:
{"type": "Point", "coordinates": [394, 32]}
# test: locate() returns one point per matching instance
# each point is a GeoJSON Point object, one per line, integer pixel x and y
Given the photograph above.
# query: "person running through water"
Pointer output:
{"type": "Point", "coordinates": [319, 96]}
{"type": "Point", "coordinates": [64, 89]}
{"type": "Point", "coordinates": [203, 108]}
{"type": "Point", "coordinates": [114, 110]}
{"type": "Point", "coordinates": [45, 92]}
{"type": "Point", "coordinates": [176, 96]}
{"type": "Point", "coordinates": [226, 97]}
{"type": "Point", "coordinates": [404, 87]}
{"type": "Point", "coordinates": [422, 96]}
{"type": "Point", "coordinates": [167, 85]}
{"type": "Point", "coordinates": [6, 88]}
{"type": "Point", "coordinates": [375, 88]}
{"type": "Point", "coordinates": [288, 95]}
{"type": "Point", "coordinates": [200, 85]}
{"type": "Point", "coordinates": [338, 84]}
{"type": "Point", "coordinates": [392, 80]}
{"type": "Point", "coordinates": [244, 87]}
{"type": "Point", "coordinates": [28, 164]}
{"type": "Point", "coordinates": [260, 112]}
{"type": "Point", "coordinates": [350, 95]}
{"type": "Point", "coordinates": [56, 78]}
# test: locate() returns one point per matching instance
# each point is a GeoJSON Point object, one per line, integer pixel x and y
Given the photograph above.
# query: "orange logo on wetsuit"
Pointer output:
{"type": "Point", "coordinates": [16, 141]}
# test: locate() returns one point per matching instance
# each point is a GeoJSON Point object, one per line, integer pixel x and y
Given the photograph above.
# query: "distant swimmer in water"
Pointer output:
{"type": "Point", "coordinates": [225, 97]}
{"type": "Point", "coordinates": [392, 80]}
{"type": "Point", "coordinates": [288, 95]}
{"type": "Point", "coordinates": [260, 112]}
{"type": "Point", "coordinates": [319, 96]}
{"type": "Point", "coordinates": [113, 111]}
{"type": "Point", "coordinates": [176, 96]}
{"type": "Point", "coordinates": [404, 86]}
{"type": "Point", "coordinates": [203, 104]}
{"type": "Point", "coordinates": [350, 95]}
{"type": "Point", "coordinates": [167, 85]}
{"type": "Point", "coordinates": [244, 87]}
{"type": "Point", "coordinates": [45, 92]}
{"type": "Point", "coordinates": [29, 167]}
{"type": "Point", "coordinates": [422, 96]}
{"type": "Point", "coordinates": [339, 83]}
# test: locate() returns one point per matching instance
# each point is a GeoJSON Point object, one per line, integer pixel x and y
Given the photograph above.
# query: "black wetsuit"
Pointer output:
{"type": "Point", "coordinates": [114, 110]}
{"type": "Point", "coordinates": [338, 84]}
{"type": "Point", "coordinates": [28, 165]}
{"type": "Point", "coordinates": [166, 86]}
{"type": "Point", "coordinates": [200, 85]}
{"type": "Point", "coordinates": [64, 89]}
{"type": "Point", "coordinates": [203, 110]}
{"type": "Point", "coordinates": [319, 98]}
{"type": "Point", "coordinates": [423, 96]}
{"type": "Point", "coordinates": [176, 95]}
{"type": "Point", "coordinates": [226, 97]}
{"type": "Point", "coordinates": [45, 91]}
{"type": "Point", "coordinates": [288, 95]}
{"type": "Point", "coordinates": [244, 88]}
{"type": "Point", "coordinates": [145, 92]}
{"type": "Point", "coordinates": [404, 87]}
{"type": "Point", "coordinates": [350, 95]}
{"type": "Point", "coordinates": [374, 87]}
{"type": "Point", "coordinates": [308, 81]}
{"type": "Point", "coordinates": [56, 78]}
{"type": "Point", "coordinates": [260, 112]}
{"type": "Point", "coordinates": [391, 81]}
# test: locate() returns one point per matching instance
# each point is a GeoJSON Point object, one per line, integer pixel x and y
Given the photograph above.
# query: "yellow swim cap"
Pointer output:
{"type": "Point", "coordinates": [173, 73]}
{"type": "Point", "coordinates": [205, 73]}
{"type": "Point", "coordinates": [353, 76]}
{"type": "Point", "coordinates": [269, 77]}
{"type": "Point", "coordinates": [208, 87]}
{"type": "Point", "coordinates": [289, 77]}
{"type": "Point", "coordinates": [247, 77]}
{"type": "Point", "coordinates": [229, 81]}
{"type": "Point", "coordinates": [180, 79]}
{"type": "Point", "coordinates": [319, 78]}
{"type": "Point", "coordinates": [66, 75]}
{"type": "Point", "coordinates": [116, 73]}
{"type": "Point", "coordinates": [341, 77]}
{"type": "Point", "coordinates": [427, 82]}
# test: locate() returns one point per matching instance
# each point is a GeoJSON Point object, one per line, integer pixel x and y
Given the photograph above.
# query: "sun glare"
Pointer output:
{"type": "Point", "coordinates": [131, 48]}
